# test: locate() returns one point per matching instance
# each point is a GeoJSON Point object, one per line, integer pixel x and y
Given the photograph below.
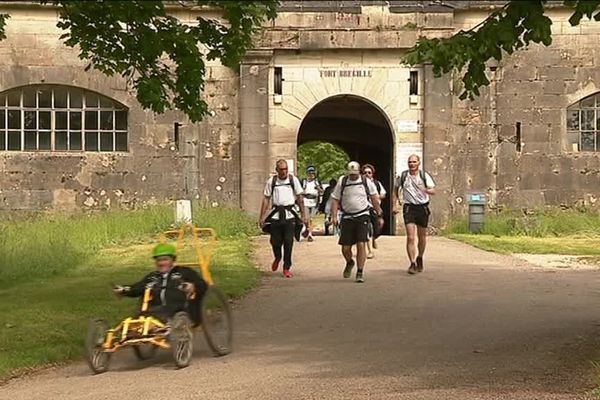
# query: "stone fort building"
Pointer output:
{"type": "Point", "coordinates": [323, 70]}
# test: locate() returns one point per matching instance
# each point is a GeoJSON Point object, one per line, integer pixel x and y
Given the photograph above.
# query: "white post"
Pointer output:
{"type": "Point", "coordinates": [183, 212]}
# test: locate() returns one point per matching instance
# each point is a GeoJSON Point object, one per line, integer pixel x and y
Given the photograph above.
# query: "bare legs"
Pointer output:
{"type": "Point", "coordinates": [422, 235]}
{"type": "Point", "coordinates": [411, 242]}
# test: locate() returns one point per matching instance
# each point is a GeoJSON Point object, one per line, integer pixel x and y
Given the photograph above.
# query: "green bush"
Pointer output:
{"type": "Point", "coordinates": [545, 222]}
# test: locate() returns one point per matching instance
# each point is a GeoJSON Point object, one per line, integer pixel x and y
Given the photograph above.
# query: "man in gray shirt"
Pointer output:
{"type": "Point", "coordinates": [416, 186]}
{"type": "Point", "coordinates": [355, 196]}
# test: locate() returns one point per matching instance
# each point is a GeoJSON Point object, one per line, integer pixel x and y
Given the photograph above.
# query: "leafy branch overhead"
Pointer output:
{"type": "Point", "coordinates": [161, 56]}
{"type": "Point", "coordinates": [506, 30]}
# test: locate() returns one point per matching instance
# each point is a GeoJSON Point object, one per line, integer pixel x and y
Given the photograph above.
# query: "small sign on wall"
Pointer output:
{"type": "Point", "coordinates": [405, 150]}
{"type": "Point", "coordinates": [291, 169]}
{"type": "Point", "coordinates": [411, 125]}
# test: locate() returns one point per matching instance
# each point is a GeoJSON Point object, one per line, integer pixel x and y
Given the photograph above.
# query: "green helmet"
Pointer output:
{"type": "Point", "coordinates": [163, 249]}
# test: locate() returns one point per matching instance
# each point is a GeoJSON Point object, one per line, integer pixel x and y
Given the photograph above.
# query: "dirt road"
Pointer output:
{"type": "Point", "coordinates": [474, 325]}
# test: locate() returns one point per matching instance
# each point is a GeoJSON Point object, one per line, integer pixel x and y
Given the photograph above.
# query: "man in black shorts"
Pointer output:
{"type": "Point", "coordinates": [356, 196]}
{"type": "Point", "coordinates": [416, 185]}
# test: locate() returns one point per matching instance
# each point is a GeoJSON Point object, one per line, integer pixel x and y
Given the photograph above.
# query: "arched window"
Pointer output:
{"type": "Point", "coordinates": [583, 124]}
{"type": "Point", "coordinates": [61, 118]}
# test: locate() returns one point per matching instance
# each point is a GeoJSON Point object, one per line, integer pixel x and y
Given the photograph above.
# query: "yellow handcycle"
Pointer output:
{"type": "Point", "coordinates": [146, 333]}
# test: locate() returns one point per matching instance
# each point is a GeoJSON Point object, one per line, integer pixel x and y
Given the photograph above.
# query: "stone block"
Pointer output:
{"type": "Point", "coordinates": [554, 87]}
{"type": "Point", "coordinates": [280, 134]}
{"type": "Point", "coordinates": [438, 20]}
{"type": "Point", "coordinates": [249, 115]}
{"type": "Point", "coordinates": [556, 73]}
{"type": "Point", "coordinates": [551, 101]}
{"type": "Point", "coordinates": [294, 107]}
{"type": "Point", "coordinates": [518, 87]}
{"type": "Point", "coordinates": [520, 72]}
{"type": "Point", "coordinates": [220, 73]}
{"type": "Point", "coordinates": [304, 95]}
{"type": "Point", "coordinates": [282, 150]}
{"type": "Point", "coordinates": [292, 74]}
{"type": "Point", "coordinates": [254, 149]}
{"type": "Point", "coordinates": [254, 132]}
{"type": "Point", "coordinates": [588, 28]}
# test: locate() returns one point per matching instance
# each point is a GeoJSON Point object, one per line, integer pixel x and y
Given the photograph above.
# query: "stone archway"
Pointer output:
{"type": "Point", "coordinates": [276, 99]}
{"type": "Point", "coordinates": [361, 129]}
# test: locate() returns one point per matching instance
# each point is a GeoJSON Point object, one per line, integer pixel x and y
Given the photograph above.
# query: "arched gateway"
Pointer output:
{"type": "Point", "coordinates": [371, 107]}
{"type": "Point", "coordinates": [361, 129]}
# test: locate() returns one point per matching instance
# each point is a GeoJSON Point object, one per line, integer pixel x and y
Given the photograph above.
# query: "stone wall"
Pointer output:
{"type": "Point", "coordinates": [534, 88]}
{"type": "Point", "coordinates": [226, 158]}
{"type": "Point", "coordinates": [205, 166]}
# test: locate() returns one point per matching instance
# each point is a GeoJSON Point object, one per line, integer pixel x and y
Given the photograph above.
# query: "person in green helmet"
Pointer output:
{"type": "Point", "coordinates": [173, 288]}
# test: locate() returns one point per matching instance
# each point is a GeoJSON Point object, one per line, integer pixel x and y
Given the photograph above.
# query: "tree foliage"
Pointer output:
{"type": "Point", "coordinates": [505, 31]}
{"type": "Point", "coordinates": [329, 160]}
{"type": "Point", "coordinates": [161, 57]}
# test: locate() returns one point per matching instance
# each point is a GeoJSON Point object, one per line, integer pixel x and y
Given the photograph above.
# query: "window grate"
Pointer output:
{"type": "Point", "coordinates": [278, 81]}
{"type": "Point", "coordinates": [583, 125]}
{"type": "Point", "coordinates": [414, 83]}
{"type": "Point", "coordinates": [60, 118]}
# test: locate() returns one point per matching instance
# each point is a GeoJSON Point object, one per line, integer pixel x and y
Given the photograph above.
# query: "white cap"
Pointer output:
{"type": "Point", "coordinates": [353, 167]}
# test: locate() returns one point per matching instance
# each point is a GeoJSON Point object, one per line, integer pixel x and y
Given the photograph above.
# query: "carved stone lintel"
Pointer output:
{"type": "Point", "coordinates": [258, 56]}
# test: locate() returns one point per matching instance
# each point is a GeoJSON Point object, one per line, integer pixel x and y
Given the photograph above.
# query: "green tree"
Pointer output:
{"type": "Point", "coordinates": [329, 159]}
{"type": "Point", "coordinates": [510, 28]}
{"type": "Point", "coordinates": [162, 58]}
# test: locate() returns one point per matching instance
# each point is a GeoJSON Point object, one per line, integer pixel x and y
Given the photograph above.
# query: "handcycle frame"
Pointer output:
{"type": "Point", "coordinates": [138, 332]}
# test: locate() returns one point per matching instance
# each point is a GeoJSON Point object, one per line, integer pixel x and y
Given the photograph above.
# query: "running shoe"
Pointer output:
{"type": "Point", "coordinates": [348, 269]}
{"type": "Point", "coordinates": [413, 269]}
{"type": "Point", "coordinates": [419, 264]}
{"type": "Point", "coordinates": [275, 265]}
{"type": "Point", "coordinates": [359, 277]}
{"type": "Point", "coordinates": [287, 273]}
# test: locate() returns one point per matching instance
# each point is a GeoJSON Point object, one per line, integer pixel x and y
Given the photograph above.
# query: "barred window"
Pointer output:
{"type": "Point", "coordinates": [61, 118]}
{"type": "Point", "coordinates": [583, 124]}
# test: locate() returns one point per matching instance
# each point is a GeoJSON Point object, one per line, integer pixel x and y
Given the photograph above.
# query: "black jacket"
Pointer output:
{"type": "Point", "coordinates": [325, 197]}
{"type": "Point", "coordinates": [167, 298]}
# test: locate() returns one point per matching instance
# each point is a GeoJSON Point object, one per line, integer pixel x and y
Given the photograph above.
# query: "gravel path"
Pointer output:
{"type": "Point", "coordinates": [474, 325]}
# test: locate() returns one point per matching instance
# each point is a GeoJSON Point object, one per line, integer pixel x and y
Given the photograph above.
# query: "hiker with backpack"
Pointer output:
{"type": "Point", "coordinates": [325, 206]}
{"type": "Point", "coordinates": [416, 186]}
{"type": "Point", "coordinates": [279, 214]}
{"type": "Point", "coordinates": [358, 200]}
{"type": "Point", "coordinates": [312, 191]}
{"type": "Point", "coordinates": [369, 171]}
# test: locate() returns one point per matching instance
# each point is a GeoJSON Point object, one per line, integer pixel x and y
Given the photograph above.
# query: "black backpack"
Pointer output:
{"type": "Point", "coordinates": [317, 185]}
{"type": "Point", "coordinates": [378, 185]}
{"type": "Point", "coordinates": [289, 183]}
{"type": "Point", "coordinates": [304, 181]}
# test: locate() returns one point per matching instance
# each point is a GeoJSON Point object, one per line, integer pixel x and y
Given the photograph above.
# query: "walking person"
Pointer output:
{"type": "Point", "coordinates": [325, 205]}
{"type": "Point", "coordinates": [312, 191]}
{"type": "Point", "coordinates": [369, 171]}
{"type": "Point", "coordinates": [279, 215]}
{"type": "Point", "coordinates": [357, 197]}
{"type": "Point", "coordinates": [416, 186]}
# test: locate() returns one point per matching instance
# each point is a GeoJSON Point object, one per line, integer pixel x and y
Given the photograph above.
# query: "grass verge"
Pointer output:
{"type": "Point", "coordinates": [542, 231]}
{"type": "Point", "coordinates": [571, 245]}
{"type": "Point", "coordinates": [44, 315]}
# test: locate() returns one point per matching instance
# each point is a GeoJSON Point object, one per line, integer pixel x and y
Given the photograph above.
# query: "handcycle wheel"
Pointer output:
{"type": "Point", "coordinates": [144, 351]}
{"type": "Point", "coordinates": [217, 322]}
{"type": "Point", "coordinates": [96, 357]}
{"type": "Point", "coordinates": [181, 339]}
